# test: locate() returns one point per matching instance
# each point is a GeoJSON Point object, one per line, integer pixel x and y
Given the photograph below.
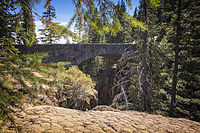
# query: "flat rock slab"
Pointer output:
{"type": "Point", "coordinates": [49, 119]}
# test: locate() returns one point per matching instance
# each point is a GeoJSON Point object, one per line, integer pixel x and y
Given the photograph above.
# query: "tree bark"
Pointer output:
{"type": "Point", "coordinates": [176, 60]}
{"type": "Point", "coordinates": [145, 98]}
{"type": "Point", "coordinates": [125, 96]}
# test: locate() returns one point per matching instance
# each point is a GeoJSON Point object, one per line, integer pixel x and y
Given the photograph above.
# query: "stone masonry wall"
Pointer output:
{"type": "Point", "coordinates": [74, 53]}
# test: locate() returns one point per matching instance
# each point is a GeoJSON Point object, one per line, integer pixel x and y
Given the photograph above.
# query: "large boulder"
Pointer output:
{"type": "Point", "coordinates": [49, 119]}
{"type": "Point", "coordinates": [79, 98]}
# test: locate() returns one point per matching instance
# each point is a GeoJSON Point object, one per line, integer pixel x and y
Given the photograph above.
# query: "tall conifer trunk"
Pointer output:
{"type": "Point", "coordinates": [176, 60]}
{"type": "Point", "coordinates": [145, 84]}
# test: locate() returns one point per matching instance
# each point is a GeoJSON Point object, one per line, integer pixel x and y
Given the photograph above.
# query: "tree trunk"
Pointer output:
{"type": "Point", "coordinates": [176, 60]}
{"type": "Point", "coordinates": [145, 98]}
{"type": "Point", "coordinates": [125, 96]}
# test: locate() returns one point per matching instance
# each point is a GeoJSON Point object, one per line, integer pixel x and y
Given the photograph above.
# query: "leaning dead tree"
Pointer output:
{"type": "Point", "coordinates": [130, 70]}
{"type": "Point", "coordinates": [123, 76]}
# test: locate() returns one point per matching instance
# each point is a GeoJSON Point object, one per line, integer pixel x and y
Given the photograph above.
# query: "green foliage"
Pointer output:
{"type": "Point", "coordinates": [73, 77]}
{"type": "Point", "coordinates": [101, 17]}
{"type": "Point", "coordinates": [6, 19]}
{"type": "Point", "coordinates": [49, 36]}
{"type": "Point", "coordinates": [26, 25]}
{"type": "Point", "coordinates": [18, 80]}
{"type": "Point", "coordinates": [189, 81]}
{"type": "Point", "coordinates": [134, 23]}
{"type": "Point", "coordinates": [77, 79]}
{"type": "Point", "coordinates": [124, 35]}
{"type": "Point", "coordinates": [153, 3]}
{"type": "Point", "coordinates": [162, 27]}
{"type": "Point", "coordinates": [54, 31]}
{"type": "Point", "coordinates": [95, 66]}
{"type": "Point", "coordinates": [77, 88]}
{"type": "Point", "coordinates": [18, 26]}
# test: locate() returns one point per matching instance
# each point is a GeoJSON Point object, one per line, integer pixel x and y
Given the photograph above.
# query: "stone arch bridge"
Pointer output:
{"type": "Point", "coordinates": [76, 53]}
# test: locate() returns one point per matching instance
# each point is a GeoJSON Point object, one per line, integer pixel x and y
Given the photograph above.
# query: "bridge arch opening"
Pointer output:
{"type": "Point", "coordinates": [101, 70]}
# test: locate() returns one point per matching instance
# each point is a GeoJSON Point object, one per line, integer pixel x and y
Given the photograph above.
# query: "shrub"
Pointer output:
{"type": "Point", "coordinates": [78, 89]}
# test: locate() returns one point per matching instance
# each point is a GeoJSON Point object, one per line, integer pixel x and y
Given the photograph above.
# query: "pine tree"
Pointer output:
{"type": "Point", "coordinates": [188, 85]}
{"type": "Point", "coordinates": [16, 71]}
{"type": "Point", "coordinates": [176, 27]}
{"type": "Point", "coordinates": [26, 33]}
{"type": "Point", "coordinates": [144, 88]}
{"type": "Point", "coordinates": [17, 75]}
{"type": "Point", "coordinates": [176, 59]}
{"type": "Point", "coordinates": [124, 36]}
{"type": "Point", "coordinates": [134, 32]}
{"type": "Point", "coordinates": [7, 21]}
{"type": "Point", "coordinates": [49, 36]}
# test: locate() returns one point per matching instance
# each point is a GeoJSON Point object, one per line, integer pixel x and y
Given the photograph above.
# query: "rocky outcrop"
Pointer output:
{"type": "Point", "coordinates": [49, 119]}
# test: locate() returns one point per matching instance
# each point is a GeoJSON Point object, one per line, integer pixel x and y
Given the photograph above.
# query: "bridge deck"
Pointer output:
{"type": "Point", "coordinates": [75, 53]}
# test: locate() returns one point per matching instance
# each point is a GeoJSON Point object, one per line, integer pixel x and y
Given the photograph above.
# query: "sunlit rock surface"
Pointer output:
{"type": "Point", "coordinates": [49, 119]}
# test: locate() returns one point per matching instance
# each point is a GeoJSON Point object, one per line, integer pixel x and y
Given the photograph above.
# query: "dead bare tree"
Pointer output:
{"type": "Point", "coordinates": [126, 69]}
{"type": "Point", "coordinates": [122, 77]}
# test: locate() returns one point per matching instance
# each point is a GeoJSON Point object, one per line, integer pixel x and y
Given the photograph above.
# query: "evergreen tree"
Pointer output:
{"type": "Point", "coordinates": [188, 63]}
{"type": "Point", "coordinates": [94, 37]}
{"type": "Point", "coordinates": [124, 36]}
{"type": "Point", "coordinates": [16, 71]}
{"type": "Point", "coordinates": [143, 68]}
{"type": "Point", "coordinates": [49, 36]}
{"type": "Point", "coordinates": [176, 58]}
{"type": "Point", "coordinates": [26, 33]}
{"type": "Point", "coordinates": [134, 32]}
{"type": "Point", "coordinates": [175, 39]}
{"type": "Point", "coordinates": [7, 22]}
